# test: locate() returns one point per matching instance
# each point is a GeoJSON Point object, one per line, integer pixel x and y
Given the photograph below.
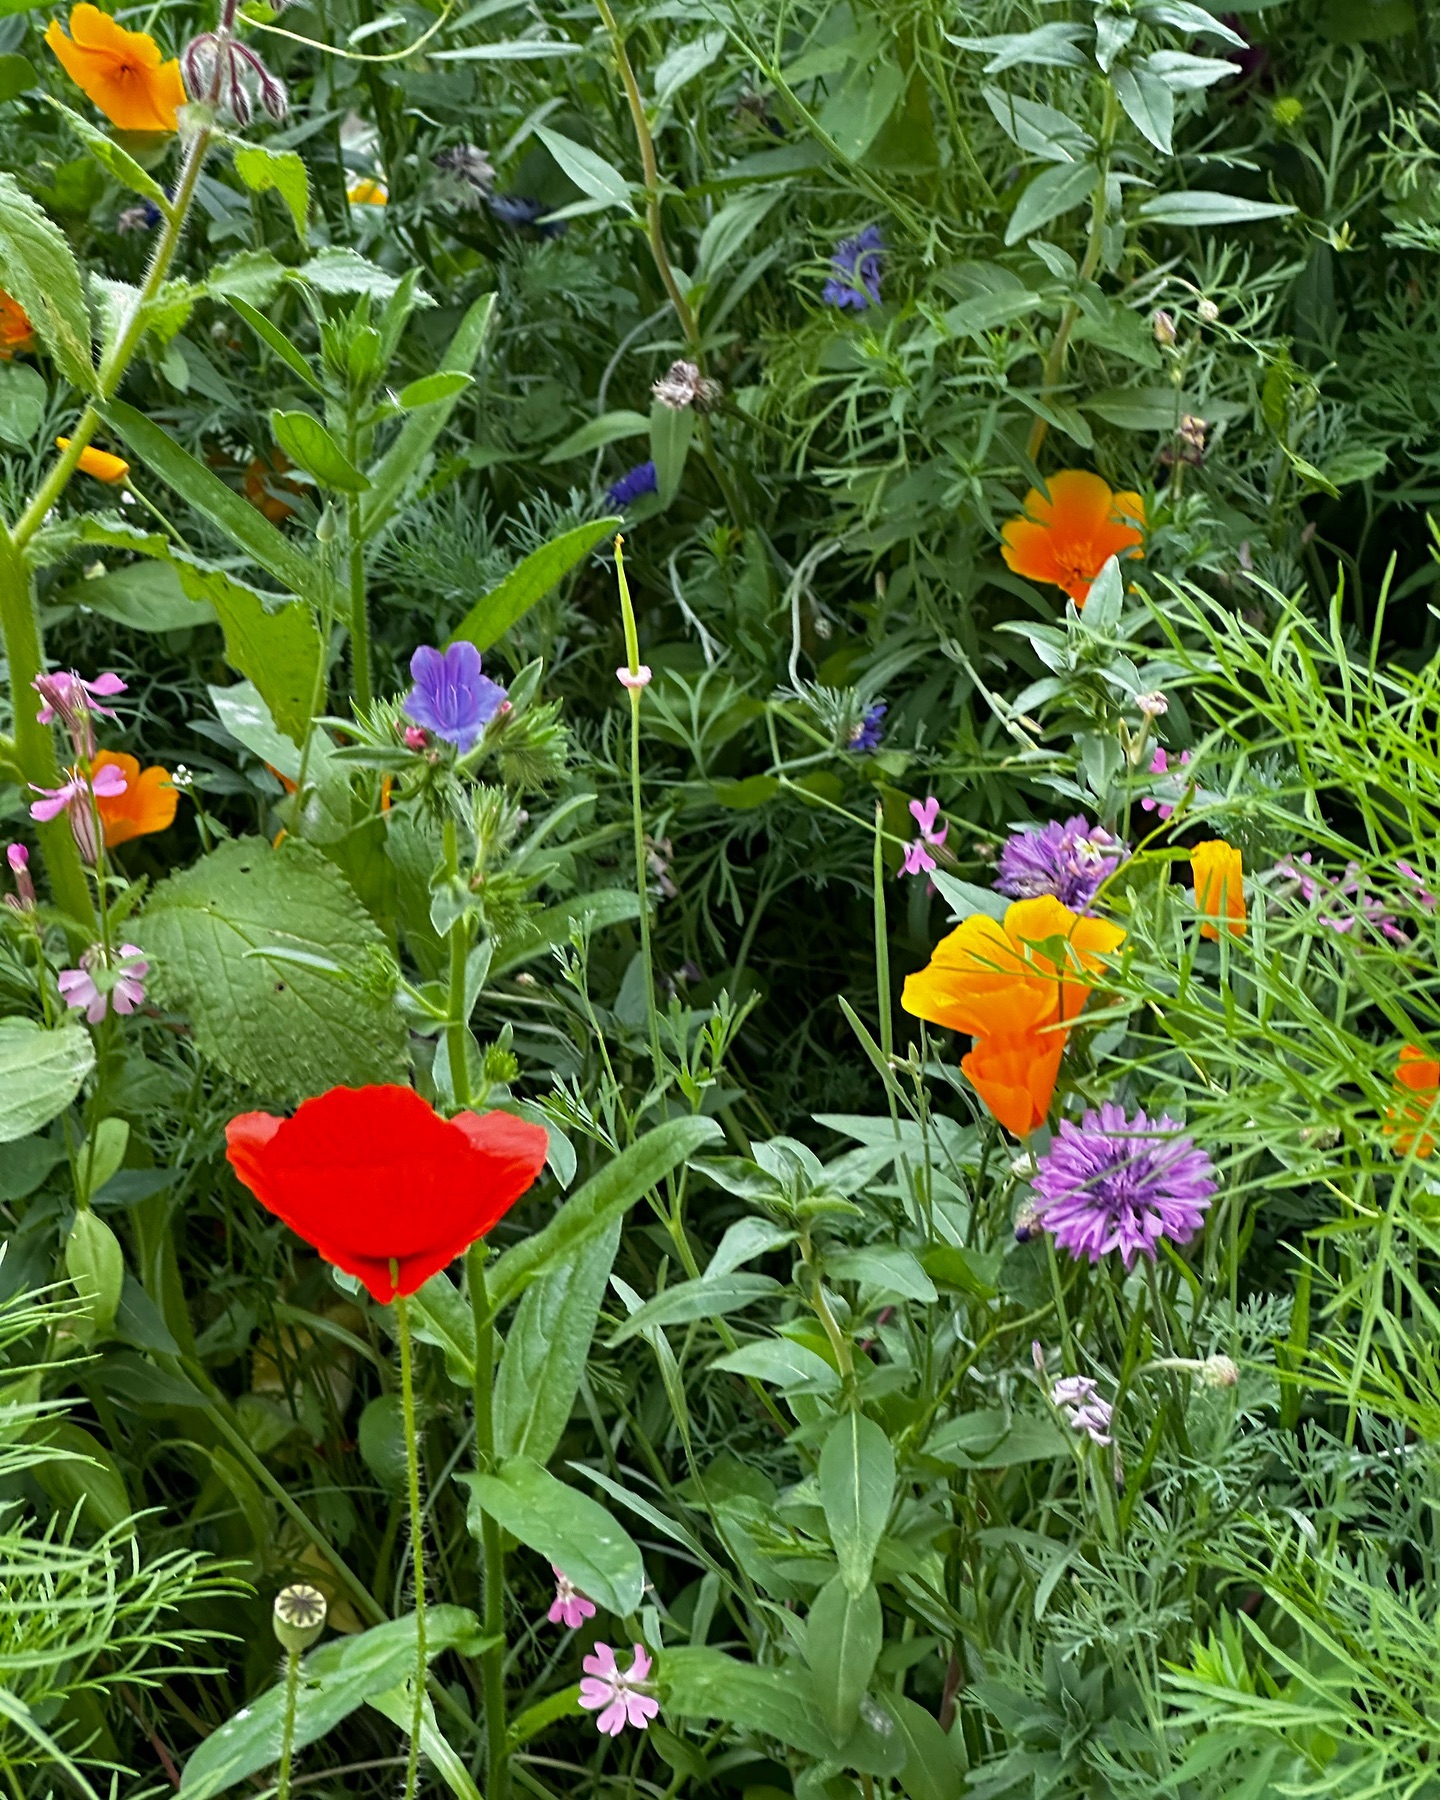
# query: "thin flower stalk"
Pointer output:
{"type": "Point", "coordinates": [417, 1534]}
{"type": "Point", "coordinates": [492, 1546]}
{"type": "Point", "coordinates": [634, 688]}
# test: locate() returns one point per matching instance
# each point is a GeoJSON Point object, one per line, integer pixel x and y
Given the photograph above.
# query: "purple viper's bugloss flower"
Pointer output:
{"type": "Point", "coordinates": [856, 262]}
{"type": "Point", "coordinates": [1069, 861]}
{"type": "Point", "coordinates": [631, 485]}
{"type": "Point", "coordinates": [867, 734]}
{"type": "Point", "coordinates": [1112, 1183]}
{"type": "Point", "coordinates": [451, 698]}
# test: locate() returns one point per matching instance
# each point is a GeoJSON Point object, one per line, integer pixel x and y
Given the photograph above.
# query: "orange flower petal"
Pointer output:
{"type": "Point", "coordinates": [1219, 887]}
{"type": "Point", "coordinates": [16, 331]}
{"type": "Point", "coordinates": [99, 464]}
{"type": "Point", "coordinates": [1016, 1077]}
{"type": "Point", "coordinates": [148, 803]}
{"type": "Point", "coordinates": [1067, 536]}
{"type": "Point", "coordinates": [1417, 1080]}
{"type": "Point", "coordinates": [121, 71]}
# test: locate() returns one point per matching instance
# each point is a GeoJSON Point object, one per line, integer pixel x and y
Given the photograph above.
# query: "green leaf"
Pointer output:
{"type": "Point", "coordinates": [554, 924]}
{"type": "Point", "coordinates": [1203, 209]}
{"type": "Point", "coordinates": [38, 268]}
{"type": "Point", "coordinates": [17, 73]}
{"type": "Point", "coordinates": [591, 173]}
{"type": "Point", "coordinates": [1053, 191]}
{"type": "Point", "coordinates": [281, 170]}
{"type": "Point", "coordinates": [993, 1440]}
{"type": "Point", "coordinates": [1148, 102]}
{"type": "Point", "coordinates": [594, 434]}
{"type": "Point", "coordinates": [726, 234]}
{"type": "Point", "coordinates": [932, 1769]}
{"type": "Point", "coordinates": [430, 390]}
{"type": "Point", "coordinates": [671, 430]}
{"type": "Point", "coordinates": [566, 1527]}
{"type": "Point", "coordinates": [244, 714]}
{"type": "Point", "coordinates": [40, 1073]}
{"type": "Point", "coordinates": [145, 596]}
{"type": "Point", "coordinates": [95, 1262]}
{"type": "Point", "coordinates": [23, 400]}
{"type": "Point", "coordinates": [709, 1296]}
{"type": "Point", "coordinates": [287, 1029]}
{"type": "Point", "coordinates": [589, 1212]}
{"type": "Point", "coordinates": [440, 1317]}
{"type": "Point", "coordinates": [843, 1635]}
{"type": "Point", "coordinates": [278, 647]}
{"type": "Point", "coordinates": [546, 1347]}
{"type": "Point", "coordinates": [338, 270]}
{"type": "Point", "coordinates": [509, 50]}
{"type": "Point", "coordinates": [392, 476]}
{"type": "Point", "coordinates": [310, 447]}
{"type": "Point", "coordinates": [117, 162]}
{"type": "Point", "coordinates": [335, 1680]}
{"type": "Point", "coordinates": [396, 1705]}
{"type": "Point", "coordinates": [857, 1484]}
{"type": "Point", "coordinates": [885, 1267]}
{"type": "Point", "coordinates": [277, 340]}
{"type": "Point", "coordinates": [493, 615]}
{"type": "Point", "coordinates": [792, 1367]}
{"type": "Point", "coordinates": [94, 1483]}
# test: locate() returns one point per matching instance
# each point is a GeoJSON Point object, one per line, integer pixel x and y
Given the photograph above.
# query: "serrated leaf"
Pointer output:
{"type": "Point", "coordinates": [491, 617]}
{"type": "Point", "coordinates": [40, 1073]}
{"type": "Point", "coordinates": [338, 270]}
{"type": "Point", "coordinates": [289, 1031]}
{"type": "Point", "coordinates": [566, 1527]}
{"type": "Point", "coordinates": [38, 268]}
{"type": "Point", "coordinates": [282, 171]}
{"type": "Point", "coordinates": [119, 163]}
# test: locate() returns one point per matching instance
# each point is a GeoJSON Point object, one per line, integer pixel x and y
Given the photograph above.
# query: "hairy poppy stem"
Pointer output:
{"type": "Point", "coordinates": [417, 1529]}
{"type": "Point", "coordinates": [492, 1663]}
{"type": "Point", "coordinates": [287, 1728]}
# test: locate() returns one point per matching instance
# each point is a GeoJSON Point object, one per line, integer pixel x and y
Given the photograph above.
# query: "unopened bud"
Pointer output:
{"type": "Point", "coordinates": [1037, 1356]}
{"type": "Point", "coordinates": [18, 858]}
{"type": "Point", "coordinates": [1208, 311]}
{"type": "Point", "coordinates": [298, 1616]}
{"type": "Point", "coordinates": [1162, 324]}
{"type": "Point", "coordinates": [1027, 1222]}
{"type": "Point", "coordinates": [1218, 1372]}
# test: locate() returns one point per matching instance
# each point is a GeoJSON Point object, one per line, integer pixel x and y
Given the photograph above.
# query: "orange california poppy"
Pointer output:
{"type": "Point", "coordinates": [263, 481]}
{"type": "Point", "coordinates": [1068, 538]}
{"type": "Point", "coordinates": [1417, 1082]}
{"type": "Point", "coordinates": [147, 804]}
{"type": "Point", "coordinates": [991, 979]}
{"type": "Point", "coordinates": [121, 71]}
{"type": "Point", "coordinates": [99, 463]}
{"type": "Point", "coordinates": [1016, 1076]}
{"type": "Point", "coordinates": [1219, 887]}
{"type": "Point", "coordinates": [366, 192]}
{"type": "Point", "coordinates": [16, 331]}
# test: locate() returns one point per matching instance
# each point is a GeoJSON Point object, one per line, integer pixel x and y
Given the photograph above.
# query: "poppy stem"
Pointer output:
{"type": "Point", "coordinates": [287, 1729]}
{"type": "Point", "coordinates": [492, 1662]}
{"type": "Point", "coordinates": [417, 1529]}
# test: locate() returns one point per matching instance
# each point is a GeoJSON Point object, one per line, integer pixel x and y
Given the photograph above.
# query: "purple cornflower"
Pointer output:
{"type": "Point", "coordinates": [519, 210]}
{"type": "Point", "coordinates": [631, 485]}
{"type": "Point", "coordinates": [65, 696]}
{"type": "Point", "coordinates": [569, 1607]}
{"type": "Point", "coordinates": [867, 734]}
{"type": "Point", "coordinates": [1069, 861]}
{"type": "Point", "coordinates": [1112, 1183]}
{"type": "Point", "coordinates": [605, 1686]}
{"type": "Point", "coordinates": [918, 860]}
{"type": "Point", "coordinates": [98, 984]}
{"type": "Point", "coordinates": [74, 798]}
{"type": "Point", "coordinates": [856, 262]}
{"type": "Point", "coordinates": [450, 696]}
{"type": "Point", "coordinates": [1078, 1398]}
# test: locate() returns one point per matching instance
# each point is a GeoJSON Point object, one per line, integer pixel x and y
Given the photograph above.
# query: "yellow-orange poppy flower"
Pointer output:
{"type": "Point", "coordinates": [1067, 537]}
{"type": "Point", "coordinates": [147, 804]}
{"type": "Point", "coordinates": [1016, 1076]}
{"type": "Point", "coordinates": [16, 331]}
{"type": "Point", "coordinates": [366, 192]}
{"type": "Point", "coordinates": [99, 463]}
{"type": "Point", "coordinates": [122, 71]}
{"type": "Point", "coordinates": [1417, 1082]}
{"type": "Point", "coordinates": [991, 979]}
{"type": "Point", "coordinates": [1219, 887]}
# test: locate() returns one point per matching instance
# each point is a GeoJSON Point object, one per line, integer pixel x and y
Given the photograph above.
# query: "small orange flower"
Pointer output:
{"type": "Point", "coordinates": [1016, 1077]}
{"type": "Point", "coordinates": [264, 476]}
{"type": "Point", "coordinates": [1219, 887]}
{"type": "Point", "coordinates": [16, 331]}
{"type": "Point", "coordinates": [1417, 1083]}
{"type": "Point", "coordinates": [99, 463]}
{"type": "Point", "coordinates": [121, 71]}
{"type": "Point", "coordinates": [366, 192]}
{"type": "Point", "coordinates": [148, 803]}
{"type": "Point", "coordinates": [1068, 538]}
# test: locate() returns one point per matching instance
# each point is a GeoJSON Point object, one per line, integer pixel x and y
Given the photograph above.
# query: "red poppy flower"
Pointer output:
{"type": "Point", "coordinates": [374, 1176]}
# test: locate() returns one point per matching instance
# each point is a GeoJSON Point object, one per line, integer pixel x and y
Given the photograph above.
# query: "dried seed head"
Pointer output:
{"type": "Point", "coordinates": [299, 1615]}
{"type": "Point", "coordinates": [683, 385]}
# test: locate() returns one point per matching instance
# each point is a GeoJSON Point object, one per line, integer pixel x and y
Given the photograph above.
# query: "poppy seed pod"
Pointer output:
{"type": "Point", "coordinates": [298, 1616]}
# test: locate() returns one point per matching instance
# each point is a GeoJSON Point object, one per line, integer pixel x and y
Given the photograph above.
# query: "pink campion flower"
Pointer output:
{"type": "Point", "coordinates": [1160, 765]}
{"type": "Point", "coordinates": [74, 798]}
{"type": "Point", "coordinates": [23, 899]}
{"type": "Point", "coordinates": [98, 984]}
{"type": "Point", "coordinates": [65, 696]}
{"type": "Point", "coordinates": [605, 1686]}
{"type": "Point", "coordinates": [918, 858]}
{"type": "Point", "coordinates": [569, 1607]}
{"type": "Point", "coordinates": [1423, 896]}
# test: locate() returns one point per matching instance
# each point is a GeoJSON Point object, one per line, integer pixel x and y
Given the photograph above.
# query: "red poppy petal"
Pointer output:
{"type": "Point", "coordinates": [246, 1138]}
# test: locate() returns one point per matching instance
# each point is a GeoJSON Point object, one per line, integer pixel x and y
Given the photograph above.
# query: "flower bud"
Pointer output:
{"type": "Point", "coordinates": [1162, 324]}
{"type": "Point", "coordinates": [1208, 311]}
{"type": "Point", "coordinates": [299, 1616]}
{"type": "Point", "coordinates": [1218, 1372]}
{"type": "Point", "coordinates": [1152, 706]}
{"type": "Point", "coordinates": [18, 858]}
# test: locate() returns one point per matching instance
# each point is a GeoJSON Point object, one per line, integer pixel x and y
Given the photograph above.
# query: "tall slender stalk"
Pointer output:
{"type": "Point", "coordinates": [287, 1726]}
{"type": "Point", "coordinates": [417, 1535]}
{"type": "Point", "coordinates": [639, 676]}
{"type": "Point", "coordinates": [492, 1549]}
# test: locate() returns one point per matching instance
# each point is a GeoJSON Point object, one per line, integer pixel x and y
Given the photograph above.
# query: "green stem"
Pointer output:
{"type": "Point", "coordinates": [287, 1728]}
{"type": "Point", "coordinates": [637, 808]}
{"type": "Point", "coordinates": [417, 1534]}
{"type": "Point", "coordinates": [492, 1663]}
{"type": "Point", "coordinates": [359, 617]}
{"type": "Point", "coordinates": [457, 1032]}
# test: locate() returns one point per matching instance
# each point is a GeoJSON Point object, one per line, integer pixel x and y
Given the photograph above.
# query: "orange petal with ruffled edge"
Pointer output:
{"type": "Point", "coordinates": [1067, 536]}
{"type": "Point", "coordinates": [1417, 1082]}
{"type": "Point", "coordinates": [122, 71]}
{"type": "Point", "coordinates": [1016, 1077]}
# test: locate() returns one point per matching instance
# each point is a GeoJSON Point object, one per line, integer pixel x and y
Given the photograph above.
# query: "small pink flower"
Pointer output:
{"type": "Point", "coordinates": [1160, 765]}
{"type": "Point", "coordinates": [98, 984]}
{"type": "Point", "coordinates": [74, 799]}
{"type": "Point", "coordinates": [416, 737]}
{"type": "Point", "coordinates": [18, 858]}
{"type": "Point", "coordinates": [918, 860]}
{"type": "Point", "coordinates": [65, 696]}
{"type": "Point", "coordinates": [605, 1686]}
{"type": "Point", "coordinates": [634, 678]}
{"type": "Point", "coordinates": [569, 1607]}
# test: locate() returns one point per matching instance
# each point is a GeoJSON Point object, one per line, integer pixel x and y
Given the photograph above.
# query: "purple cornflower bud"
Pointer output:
{"type": "Point", "coordinates": [867, 734]}
{"type": "Point", "coordinates": [451, 697]}
{"type": "Point", "coordinates": [856, 263]}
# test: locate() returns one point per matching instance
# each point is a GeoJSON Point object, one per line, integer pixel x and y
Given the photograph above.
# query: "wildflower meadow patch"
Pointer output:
{"type": "Point", "coordinates": [719, 1035]}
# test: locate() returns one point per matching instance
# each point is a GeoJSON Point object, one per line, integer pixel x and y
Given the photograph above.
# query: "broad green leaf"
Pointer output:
{"type": "Point", "coordinates": [38, 268]}
{"type": "Point", "coordinates": [1047, 46]}
{"type": "Point", "coordinates": [594, 434]}
{"type": "Point", "coordinates": [1203, 209]}
{"type": "Point", "coordinates": [843, 1635]}
{"type": "Point", "coordinates": [310, 447]}
{"type": "Point", "coordinates": [278, 647]}
{"type": "Point", "coordinates": [281, 170]}
{"type": "Point", "coordinates": [745, 1240]}
{"type": "Point", "coordinates": [146, 596]}
{"type": "Point", "coordinates": [1148, 102]}
{"type": "Point", "coordinates": [430, 390]}
{"type": "Point", "coordinates": [640, 1167]}
{"type": "Point", "coordinates": [1053, 191]}
{"type": "Point", "coordinates": [932, 1771]}
{"type": "Point", "coordinates": [277, 340]}
{"type": "Point", "coordinates": [442, 1318]}
{"type": "Point", "coordinates": [726, 234]}
{"type": "Point", "coordinates": [1038, 129]}
{"type": "Point", "coordinates": [391, 477]}
{"type": "Point", "coordinates": [567, 1527]}
{"type": "Point", "coordinates": [546, 1347]}
{"type": "Point", "coordinates": [493, 615]}
{"type": "Point", "coordinates": [396, 1705]}
{"type": "Point", "coordinates": [791, 1367]}
{"type": "Point", "coordinates": [287, 1029]}
{"type": "Point", "coordinates": [40, 1073]}
{"type": "Point", "coordinates": [338, 270]}
{"type": "Point", "coordinates": [117, 162]}
{"type": "Point", "coordinates": [23, 400]}
{"type": "Point", "coordinates": [335, 1680]}
{"type": "Point", "coordinates": [671, 430]}
{"type": "Point", "coordinates": [885, 1267]}
{"type": "Point", "coordinates": [709, 1296]}
{"type": "Point", "coordinates": [590, 173]}
{"type": "Point", "coordinates": [95, 1262]}
{"type": "Point", "coordinates": [251, 276]}
{"type": "Point", "coordinates": [17, 73]}
{"type": "Point", "coordinates": [857, 1484]}
{"type": "Point", "coordinates": [246, 717]}
{"type": "Point", "coordinates": [991, 1440]}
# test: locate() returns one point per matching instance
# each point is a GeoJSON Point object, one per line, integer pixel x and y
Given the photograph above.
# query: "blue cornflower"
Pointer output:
{"type": "Point", "coordinates": [628, 489]}
{"type": "Point", "coordinates": [519, 210]}
{"type": "Point", "coordinates": [867, 734]}
{"type": "Point", "coordinates": [856, 262]}
{"type": "Point", "coordinates": [451, 697]}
